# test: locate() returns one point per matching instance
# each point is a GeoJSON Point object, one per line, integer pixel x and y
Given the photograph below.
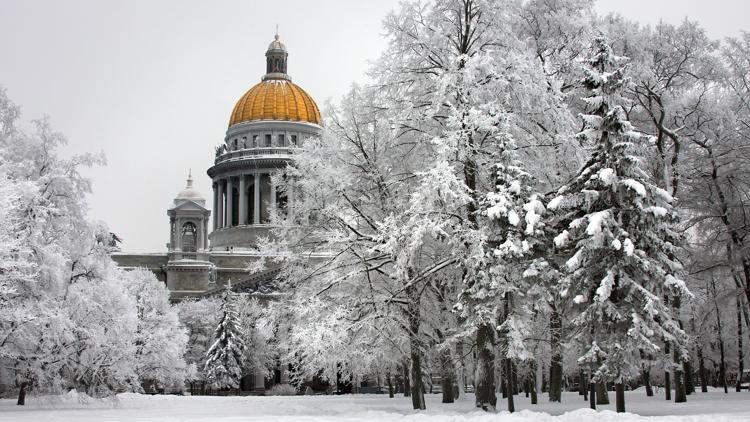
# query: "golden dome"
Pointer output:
{"type": "Point", "coordinates": [275, 99]}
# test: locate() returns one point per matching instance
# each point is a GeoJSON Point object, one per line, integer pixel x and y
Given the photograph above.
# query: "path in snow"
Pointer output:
{"type": "Point", "coordinates": [713, 406]}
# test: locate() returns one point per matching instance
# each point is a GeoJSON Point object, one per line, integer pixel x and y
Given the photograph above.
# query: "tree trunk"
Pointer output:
{"type": "Point", "coordinates": [581, 385]}
{"type": "Point", "coordinates": [407, 384]}
{"type": "Point", "coordinates": [390, 385]}
{"type": "Point", "coordinates": [22, 394]}
{"type": "Point", "coordinates": [509, 387]}
{"type": "Point", "coordinates": [460, 369]}
{"type": "Point", "coordinates": [532, 389]}
{"type": "Point", "coordinates": [585, 382]}
{"type": "Point", "coordinates": [592, 394]}
{"type": "Point", "coordinates": [687, 370]}
{"type": "Point", "coordinates": [602, 397]}
{"type": "Point", "coordinates": [555, 369]}
{"type": "Point", "coordinates": [702, 370]}
{"type": "Point", "coordinates": [620, 397]}
{"type": "Point", "coordinates": [740, 356]}
{"type": "Point", "coordinates": [485, 368]}
{"type": "Point", "coordinates": [680, 395]}
{"type": "Point", "coordinates": [646, 375]}
{"type": "Point", "coordinates": [447, 375]}
{"type": "Point", "coordinates": [722, 365]}
{"type": "Point", "coordinates": [667, 375]}
{"type": "Point", "coordinates": [679, 384]}
{"type": "Point", "coordinates": [414, 316]}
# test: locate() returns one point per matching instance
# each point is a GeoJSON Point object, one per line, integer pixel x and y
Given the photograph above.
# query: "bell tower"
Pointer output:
{"type": "Point", "coordinates": [188, 263]}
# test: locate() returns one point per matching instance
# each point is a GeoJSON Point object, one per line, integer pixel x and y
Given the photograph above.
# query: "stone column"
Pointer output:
{"type": "Point", "coordinates": [220, 209]}
{"type": "Point", "coordinates": [171, 233]}
{"type": "Point", "coordinates": [242, 219]}
{"type": "Point", "coordinates": [198, 236]}
{"type": "Point", "coordinates": [216, 205]}
{"type": "Point", "coordinates": [178, 234]}
{"type": "Point", "coordinates": [205, 233]}
{"type": "Point", "coordinates": [230, 202]}
{"type": "Point", "coordinates": [256, 205]}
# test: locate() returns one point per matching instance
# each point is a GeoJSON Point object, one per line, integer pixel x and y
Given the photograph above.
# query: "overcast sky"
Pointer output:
{"type": "Point", "coordinates": [152, 83]}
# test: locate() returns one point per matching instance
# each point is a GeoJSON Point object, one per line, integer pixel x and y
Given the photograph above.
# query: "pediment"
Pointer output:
{"type": "Point", "coordinates": [188, 205]}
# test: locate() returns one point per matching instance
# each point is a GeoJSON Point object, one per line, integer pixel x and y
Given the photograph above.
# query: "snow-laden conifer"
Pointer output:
{"type": "Point", "coordinates": [224, 359]}
{"type": "Point", "coordinates": [615, 232]}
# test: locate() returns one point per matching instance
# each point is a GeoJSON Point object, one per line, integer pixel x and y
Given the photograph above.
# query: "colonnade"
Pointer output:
{"type": "Point", "coordinates": [258, 185]}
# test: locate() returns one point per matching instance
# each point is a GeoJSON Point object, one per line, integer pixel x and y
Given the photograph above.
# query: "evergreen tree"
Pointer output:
{"type": "Point", "coordinates": [614, 228]}
{"type": "Point", "coordinates": [224, 359]}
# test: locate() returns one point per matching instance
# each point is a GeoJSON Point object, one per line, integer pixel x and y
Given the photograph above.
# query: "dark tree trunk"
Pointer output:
{"type": "Point", "coordinates": [680, 396]}
{"type": "Point", "coordinates": [620, 397]}
{"type": "Point", "coordinates": [555, 369]}
{"type": "Point", "coordinates": [581, 385]}
{"type": "Point", "coordinates": [526, 387]}
{"type": "Point", "coordinates": [390, 385]}
{"type": "Point", "coordinates": [722, 364]}
{"type": "Point", "coordinates": [646, 375]}
{"type": "Point", "coordinates": [679, 385]}
{"type": "Point", "coordinates": [514, 377]}
{"type": "Point", "coordinates": [414, 316]}
{"type": "Point", "coordinates": [602, 397]}
{"type": "Point", "coordinates": [585, 382]}
{"type": "Point", "coordinates": [509, 379]}
{"type": "Point", "coordinates": [485, 368]}
{"type": "Point", "coordinates": [447, 375]}
{"type": "Point", "coordinates": [687, 370]}
{"type": "Point", "coordinates": [702, 370]}
{"type": "Point", "coordinates": [417, 389]}
{"type": "Point", "coordinates": [22, 394]}
{"type": "Point", "coordinates": [667, 376]}
{"type": "Point", "coordinates": [532, 383]}
{"type": "Point", "coordinates": [740, 356]}
{"type": "Point", "coordinates": [592, 395]}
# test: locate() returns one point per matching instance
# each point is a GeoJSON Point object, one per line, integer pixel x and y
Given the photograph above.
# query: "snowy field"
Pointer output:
{"type": "Point", "coordinates": [713, 406]}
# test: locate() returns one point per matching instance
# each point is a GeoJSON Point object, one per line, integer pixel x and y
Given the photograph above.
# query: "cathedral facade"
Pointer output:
{"type": "Point", "coordinates": [208, 248]}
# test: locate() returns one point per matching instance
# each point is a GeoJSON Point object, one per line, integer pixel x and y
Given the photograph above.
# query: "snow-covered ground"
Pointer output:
{"type": "Point", "coordinates": [713, 406]}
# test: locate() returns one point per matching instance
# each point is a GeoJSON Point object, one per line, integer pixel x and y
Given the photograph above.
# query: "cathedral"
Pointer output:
{"type": "Point", "coordinates": [267, 123]}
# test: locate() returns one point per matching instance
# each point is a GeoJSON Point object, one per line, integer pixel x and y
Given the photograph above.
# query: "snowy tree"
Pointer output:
{"type": "Point", "coordinates": [160, 339]}
{"type": "Point", "coordinates": [616, 227]}
{"type": "Point", "coordinates": [69, 319]}
{"type": "Point", "coordinates": [200, 318]}
{"type": "Point", "coordinates": [225, 358]}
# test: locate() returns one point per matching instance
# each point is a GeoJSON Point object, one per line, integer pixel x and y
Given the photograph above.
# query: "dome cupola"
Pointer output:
{"type": "Point", "coordinates": [189, 193]}
{"type": "Point", "coordinates": [276, 57]}
{"type": "Point", "coordinates": [276, 97]}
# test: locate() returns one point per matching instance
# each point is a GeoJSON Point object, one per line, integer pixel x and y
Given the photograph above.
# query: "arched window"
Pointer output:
{"type": "Point", "coordinates": [189, 237]}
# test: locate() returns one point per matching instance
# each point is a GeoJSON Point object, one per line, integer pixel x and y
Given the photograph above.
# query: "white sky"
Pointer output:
{"type": "Point", "coordinates": [152, 83]}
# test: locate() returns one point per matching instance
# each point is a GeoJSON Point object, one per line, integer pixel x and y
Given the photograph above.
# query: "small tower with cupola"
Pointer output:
{"type": "Point", "coordinates": [188, 265]}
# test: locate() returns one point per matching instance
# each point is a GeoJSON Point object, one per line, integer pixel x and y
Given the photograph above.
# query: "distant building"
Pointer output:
{"type": "Point", "coordinates": [268, 121]}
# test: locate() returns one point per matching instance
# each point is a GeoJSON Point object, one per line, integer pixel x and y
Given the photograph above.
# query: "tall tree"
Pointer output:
{"type": "Point", "coordinates": [616, 226]}
{"type": "Point", "coordinates": [225, 357]}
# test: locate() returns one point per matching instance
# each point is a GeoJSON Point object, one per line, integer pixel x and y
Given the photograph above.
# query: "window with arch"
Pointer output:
{"type": "Point", "coordinates": [189, 237]}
